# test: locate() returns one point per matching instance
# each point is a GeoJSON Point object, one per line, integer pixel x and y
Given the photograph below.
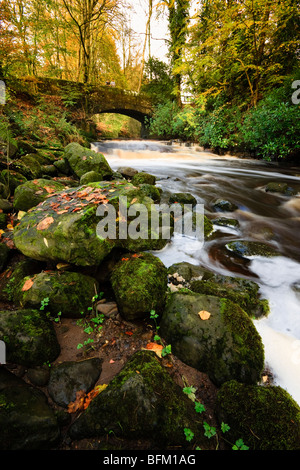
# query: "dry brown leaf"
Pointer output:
{"type": "Point", "coordinates": [204, 315]}
{"type": "Point", "coordinates": [45, 223]}
{"type": "Point", "coordinates": [27, 285]}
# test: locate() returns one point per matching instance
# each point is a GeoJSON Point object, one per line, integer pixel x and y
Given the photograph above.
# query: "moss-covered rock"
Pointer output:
{"type": "Point", "coordinates": [29, 337]}
{"type": "Point", "coordinates": [65, 227]}
{"type": "Point", "coordinates": [222, 205]}
{"type": "Point", "coordinates": [248, 249]}
{"type": "Point", "coordinates": [281, 188]}
{"type": "Point", "coordinates": [226, 222]}
{"type": "Point", "coordinates": [27, 421]}
{"type": "Point", "coordinates": [189, 271]}
{"type": "Point", "coordinates": [91, 177]}
{"type": "Point", "coordinates": [31, 193]}
{"type": "Point", "coordinates": [143, 178]}
{"type": "Point", "coordinates": [68, 293]}
{"type": "Point", "coordinates": [5, 205]}
{"type": "Point", "coordinates": [183, 198]}
{"type": "Point", "coordinates": [243, 292]}
{"type": "Point", "coordinates": [62, 166]}
{"type": "Point", "coordinates": [12, 179]}
{"type": "Point", "coordinates": [29, 165]}
{"type": "Point", "coordinates": [127, 172]}
{"type": "Point", "coordinates": [151, 191]}
{"type": "Point", "coordinates": [11, 281]}
{"type": "Point", "coordinates": [266, 418]}
{"type": "Point", "coordinates": [83, 160]}
{"type": "Point", "coordinates": [139, 282]}
{"type": "Point", "coordinates": [142, 401]}
{"type": "Point", "coordinates": [225, 346]}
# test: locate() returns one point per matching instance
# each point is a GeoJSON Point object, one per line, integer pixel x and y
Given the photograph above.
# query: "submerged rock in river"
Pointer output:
{"type": "Point", "coordinates": [248, 249]}
{"type": "Point", "coordinates": [213, 335]}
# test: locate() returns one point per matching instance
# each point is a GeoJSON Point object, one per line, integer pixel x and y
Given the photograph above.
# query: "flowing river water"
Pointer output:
{"type": "Point", "coordinates": [263, 216]}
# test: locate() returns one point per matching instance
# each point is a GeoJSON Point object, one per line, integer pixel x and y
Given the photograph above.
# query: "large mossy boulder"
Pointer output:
{"type": "Point", "coordinates": [241, 291]}
{"type": "Point", "coordinates": [31, 193]}
{"type": "Point", "coordinates": [82, 160]}
{"type": "Point", "coordinates": [139, 283]}
{"type": "Point", "coordinates": [29, 337]}
{"type": "Point", "coordinates": [65, 227]}
{"type": "Point", "coordinates": [142, 401]}
{"type": "Point", "coordinates": [27, 421]}
{"type": "Point", "coordinates": [67, 293]}
{"type": "Point", "coordinates": [266, 418]}
{"type": "Point", "coordinates": [213, 335]}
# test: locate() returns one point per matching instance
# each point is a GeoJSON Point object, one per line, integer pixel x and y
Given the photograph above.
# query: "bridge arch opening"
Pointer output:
{"type": "Point", "coordinates": [120, 124]}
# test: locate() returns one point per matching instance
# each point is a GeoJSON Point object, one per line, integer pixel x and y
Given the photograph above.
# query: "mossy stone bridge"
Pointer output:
{"type": "Point", "coordinates": [87, 100]}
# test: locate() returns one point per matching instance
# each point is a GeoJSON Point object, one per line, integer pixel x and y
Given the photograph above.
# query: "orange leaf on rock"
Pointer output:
{"type": "Point", "coordinates": [45, 223]}
{"type": "Point", "coordinates": [157, 348]}
{"type": "Point", "coordinates": [204, 315]}
{"type": "Point", "coordinates": [154, 346]}
{"type": "Point", "coordinates": [49, 190]}
{"type": "Point", "coordinates": [78, 404]}
{"type": "Point", "coordinates": [27, 285]}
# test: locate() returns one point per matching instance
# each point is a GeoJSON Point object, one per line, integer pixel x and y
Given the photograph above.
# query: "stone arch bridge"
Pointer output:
{"type": "Point", "coordinates": [84, 100]}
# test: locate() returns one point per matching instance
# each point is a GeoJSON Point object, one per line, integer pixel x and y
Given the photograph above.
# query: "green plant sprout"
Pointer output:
{"type": "Point", "coordinates": [209, 431]}
{"type": "Point", "coordinates": [85, 343]}
{"type": "Point", "coordinates": [57, 319]}
{"type": "Point", "coordinates": [44, 303]}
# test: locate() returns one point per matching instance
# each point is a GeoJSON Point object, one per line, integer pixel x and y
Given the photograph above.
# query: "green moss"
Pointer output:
{"type": "Point", "coordinates": [69, 293]}
{"type": "Point", "coordinates": [143, 178]}
{"type": "Point", "coordinates": [32, 339]}
{"type": "Point", "coordinates": [226, 346]}
{"type": "Point", "coordinates": [142, 401]}
{"type": "Point", "coordinates": [243, 292]}
{"type": "Point", "coordinates": [266, 418]}
{"type": "Point", "coordinates": [139, 282]}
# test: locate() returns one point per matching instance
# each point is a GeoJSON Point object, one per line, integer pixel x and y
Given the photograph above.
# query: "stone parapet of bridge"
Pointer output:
{"type": "Point", "coordinates": [93, 99]}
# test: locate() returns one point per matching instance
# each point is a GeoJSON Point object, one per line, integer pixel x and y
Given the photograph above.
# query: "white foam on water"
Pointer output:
{"type": "Point", "coordinates": [181, 249]}
{"type": "Point", "coordinates": [280, 331]}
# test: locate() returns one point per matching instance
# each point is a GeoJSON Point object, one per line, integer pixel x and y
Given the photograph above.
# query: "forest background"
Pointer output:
{"type": "Point", "coordinates": [230, 80]}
